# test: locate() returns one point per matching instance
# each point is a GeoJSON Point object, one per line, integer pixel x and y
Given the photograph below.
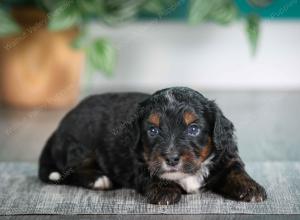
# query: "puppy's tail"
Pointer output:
{"type": "Point", "coordinates": [48, 171]}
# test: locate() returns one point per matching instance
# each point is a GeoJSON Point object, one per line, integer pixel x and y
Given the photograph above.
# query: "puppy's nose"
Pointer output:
{"type": "Point", "coordinates": [172, 160]}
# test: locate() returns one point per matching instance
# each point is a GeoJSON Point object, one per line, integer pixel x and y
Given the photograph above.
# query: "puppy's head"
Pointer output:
{"type": "Point", "coordinates": [180, 131]}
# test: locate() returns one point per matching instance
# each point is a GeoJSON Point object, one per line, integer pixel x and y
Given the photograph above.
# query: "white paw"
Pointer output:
{"type": "Point", "coordinates": [256, 199]}
{"type": "Point", "coordinates": [102, 183]}
{"type": "Point", "coordinates": [54, 176]}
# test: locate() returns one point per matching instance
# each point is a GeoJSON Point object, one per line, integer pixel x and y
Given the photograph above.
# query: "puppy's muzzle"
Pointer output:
{"type": "Point", "coordinates": [172, 159]}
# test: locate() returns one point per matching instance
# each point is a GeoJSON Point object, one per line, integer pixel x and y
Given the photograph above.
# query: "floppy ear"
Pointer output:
{"type": "Point", "coordinates": [222, 131]}
{"type": "Point", "coordinates": [130, 134]}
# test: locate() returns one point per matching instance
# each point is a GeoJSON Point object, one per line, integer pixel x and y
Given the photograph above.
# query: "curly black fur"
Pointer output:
{"type": "Point", "coordinates": [162, 145]}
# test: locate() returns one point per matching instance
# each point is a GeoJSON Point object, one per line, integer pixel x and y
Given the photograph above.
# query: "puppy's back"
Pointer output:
{"type": "Point", "coordinates": [93, 123]}
{"type": "Point", "coordinates": [100, 111]}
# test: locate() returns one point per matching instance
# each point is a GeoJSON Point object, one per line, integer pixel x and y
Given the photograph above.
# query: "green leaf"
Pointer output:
{"type": "Point", "coordinates": [153, 6]}
{"type": "Point", "coordinates": [65, 15]}
{"type": "Point", "coordinates": [260, 3]}
{"type": "Point", "coordinates": [91, 7]}
{"type": "Point", "coordinates": [49, 5]}
{"type": "Point", "coordinates": [7, 25]}
{"type": "Point", "coordinates": [80, 41]}
{"type": "Point", "coordinates": [252, 29]}
{"type": "Point", "coordinates": [101, 55]}
{"type": "Point", "coordinates": [199, 10]}
{"type": "Point", "coordinates": [117, 11]}
{"type": "Point", "coordinates": [223, 11]}
{"type": "Point", "coordinates": [158, 7]}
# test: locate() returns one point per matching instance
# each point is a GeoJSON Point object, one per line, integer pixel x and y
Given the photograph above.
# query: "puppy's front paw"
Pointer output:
{"type": "Point", "coordinates": [250, 191]}
{"type": "Point", "coordinates": [163, 194]}
{"type": "Point", "coordinates": [246, 189]}
{"type": "Point", "coordinates": [102, 183]}
{"type": "Point", "coordinates": [240, 186]}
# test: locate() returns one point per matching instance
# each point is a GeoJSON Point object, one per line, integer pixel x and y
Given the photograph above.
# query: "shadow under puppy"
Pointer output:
{"type": "Point", "coordinates": [162, 145]}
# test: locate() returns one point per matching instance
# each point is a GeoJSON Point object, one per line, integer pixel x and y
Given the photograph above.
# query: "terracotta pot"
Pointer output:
{"type": "Point", "coordinates": [38, 68]}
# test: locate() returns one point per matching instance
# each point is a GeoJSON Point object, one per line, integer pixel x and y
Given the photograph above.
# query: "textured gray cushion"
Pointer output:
{"type": "Point", "coordinates": [22, 193]}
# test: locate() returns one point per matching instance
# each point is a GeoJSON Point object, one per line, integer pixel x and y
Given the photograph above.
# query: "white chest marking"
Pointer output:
{"type": "Point", "coordinates": [190, 184]}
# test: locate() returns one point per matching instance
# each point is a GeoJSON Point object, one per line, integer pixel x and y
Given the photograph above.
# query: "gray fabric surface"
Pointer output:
{"type": "Point", "coordinates": [22, 193]}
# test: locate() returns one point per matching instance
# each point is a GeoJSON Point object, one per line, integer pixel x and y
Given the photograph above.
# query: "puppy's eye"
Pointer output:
{"type": "Point", "coordinates": [153, 131]}
{"type": "Point", "coordinates": [193, 130]}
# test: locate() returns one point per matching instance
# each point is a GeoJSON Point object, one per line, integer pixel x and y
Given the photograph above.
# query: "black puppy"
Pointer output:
{"type": "Point", "coordinates": [172, 142]}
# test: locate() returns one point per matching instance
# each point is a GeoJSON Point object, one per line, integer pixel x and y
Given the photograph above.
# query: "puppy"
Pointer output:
{"type": "Point", "coordinates": [163, 145]}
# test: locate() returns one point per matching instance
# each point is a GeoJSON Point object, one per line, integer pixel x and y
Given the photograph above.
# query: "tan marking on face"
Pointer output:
{"type": "Point", "coordinates": [187, 156]}
{"type": "Point", "coordinates": [205, 152]}
{"type": "Point", "coordinates": [189, 117]}
{"type": "Point", "coordinates": [154, 119]}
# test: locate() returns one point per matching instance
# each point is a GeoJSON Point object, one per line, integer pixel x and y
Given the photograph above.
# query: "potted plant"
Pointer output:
{"type": "Point", "coordinates": [43, 43]}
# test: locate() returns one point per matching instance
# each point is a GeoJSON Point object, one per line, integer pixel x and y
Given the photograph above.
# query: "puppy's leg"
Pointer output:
{"type": "Point", "coordinates": [92, 179]}
{"type": "Point", "coordinates": [163, 192]}
{"type": "Point", "coordinates": [48, 171]}
{"type": "Point", "coordinates": [235, 183]}
{"type": "Point", "coordinates": [79, 167]}
{"type": "Point", "coordinates": [84, 171]}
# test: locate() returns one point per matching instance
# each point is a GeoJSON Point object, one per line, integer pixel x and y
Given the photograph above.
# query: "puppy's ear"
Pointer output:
{"type": "Point", "coordinates": [222, 131]}
{"type": "Point", "coordinates": [137, 126]}
{"type": "Point", "coordinates": [128, 132]}
{"type": "Point", "coordinates": [134, 133]}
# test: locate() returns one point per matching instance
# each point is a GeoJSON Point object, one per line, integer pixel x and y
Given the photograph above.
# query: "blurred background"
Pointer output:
{"type": "Point", "coordinates": [245, 54]}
